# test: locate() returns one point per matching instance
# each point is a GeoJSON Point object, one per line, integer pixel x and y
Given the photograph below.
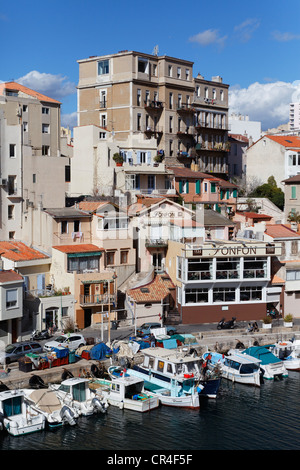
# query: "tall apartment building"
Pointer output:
{"type": "Point", "coordinates": [294, 121]}
{"type": "Point", "coordinates": [133, 93]}
{"type": "Point", "coordinates": [32, 169]}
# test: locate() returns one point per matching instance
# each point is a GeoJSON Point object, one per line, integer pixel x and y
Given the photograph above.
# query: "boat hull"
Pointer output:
{"type": "Point", "coordinates": [247, 379]}
{"type": "Point", "coordinates": [21, 426]}
{"type": "Point", "coordinates": [210, 388]}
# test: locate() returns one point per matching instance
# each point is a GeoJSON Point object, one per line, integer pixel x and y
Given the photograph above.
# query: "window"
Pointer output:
{"type": "Point", "coordinates": [45, 110]}
{"type": "Point", "coordinates": [45, 150]}
{"type": "Point", "coordinates": [25, 126]}
{"type": "Point", "coordinates": [178, 72]}
{"type": "Point", "coordinates": [170, 70]}
{"type": "Point", "coordinates": [171, 124]}
{"type": "Point", "coordinates": [103, 67]}
{"type": "Point", "coordinates": [250, 293]}
{"type": "Point", "coordinates": [187, 74]}
{"type": "Point", "coordinates": [10, 212]}
{"type": "Point", "coordinates": [11, 235]}
{"type": "Point", "coordinates": [45, 128]}
{"type": "Point", "coordinates": [12, 150]}
{"type": "Point", "coordinates": [294, 248]}
{"type": "Point", "coordinates": [124, 257]}
{"type": "Point", "coordinates": [67, 173]}
{"type": "Point", "coordinates": [110, 257]}
{"type": "Point", "coordinates": [25, 108]}
{"type": "Point", "coordinates": [11, 298]}
{"type": "Point", "coordinates": [200, 269]}
{"type": "Point", "coordinates": [138, 98]}
{"type": "Point", "coordinates": [293, 275]}
{"type": "Point", "coordinates": [64, 226]}
{"type": "Point", "coordinates": [171, 100]}
{"type": "Point", "coordinates": [34, 178]}
{"type": "Point", "coordinates": [103, 120]}
{"type": "Point", "coordinates": [222, 95]}
{"type": "Point", "coordinates": [83, 263]}
{"type": "Point", "coordinates": [293, 192]}
{"type": "Point", "coordinates": [224, 294]}
{"type": "Point", "coordinates": [255, 267]}
{"type": "Point", "coordinates": [139, 120]}
{"type": "Point", "coordinates": [132, 182]}
{"type": "Point", "coordinates": [143, 65]}
{"type": "Point", "coordinates": [196, 296]}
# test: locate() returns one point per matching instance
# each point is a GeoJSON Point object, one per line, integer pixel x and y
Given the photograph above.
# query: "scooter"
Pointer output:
{"type": "Point", "coordinates": [226, 325]}
{"type": "Point", "coordinates": [39, 335]}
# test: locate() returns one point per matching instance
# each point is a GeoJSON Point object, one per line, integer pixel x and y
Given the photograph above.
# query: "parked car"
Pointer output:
{"type": "Point", "coordinates": [70, 340]}
{"type": "Point", "coordinates": [145, 329]}
{"type": "Point", "coordinates": [13, 352]}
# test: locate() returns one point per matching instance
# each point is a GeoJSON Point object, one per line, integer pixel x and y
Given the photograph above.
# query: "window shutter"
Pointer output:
{"type": "Point", "coordinates": [293, 195]}
{"type": "Point", "coordinates": [187, 187]}
{"type": "Point", "coordinates": [198, 187]}
{"type": "Point", "coordinates": [213, 187]}
{"type": "Point", "coordinates": [138, 156]}
{"type": "Point", "coordinates": [235, 193]}
{"type": "Point", "coordinates": [149, 158]}
{"type": "Point", "coordinates": [180, 186]}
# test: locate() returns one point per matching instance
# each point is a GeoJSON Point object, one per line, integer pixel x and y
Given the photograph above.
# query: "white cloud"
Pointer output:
{"type": "Point", "coordinates": [69, 120]}
{"type": "Point", "coordinates": [267, 103]}
{"type": "Point", "coordinates": [284, 37]}
{"type": "Point", "coordinates": [210, 36]}
{"type": "Point", "coordinates": [54, 86]}
{"type": "Point", "coordinates": [247, 28]}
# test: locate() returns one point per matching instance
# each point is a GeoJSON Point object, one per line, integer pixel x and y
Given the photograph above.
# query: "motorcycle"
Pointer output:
{"type": "Point", "coordinates": [39, 335]}
{"type": "Point", "coordinates": [273, 314]}
{"type": "Point", "coordinates": [226, 325]}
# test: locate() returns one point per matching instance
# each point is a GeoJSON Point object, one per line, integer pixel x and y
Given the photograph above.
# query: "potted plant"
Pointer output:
{"type": "Point", "coordinates": [267, 322]}
{"type": "Point", "coordinates": [118, 159]}
{"type": "Point", "coordinates": [288, 320]}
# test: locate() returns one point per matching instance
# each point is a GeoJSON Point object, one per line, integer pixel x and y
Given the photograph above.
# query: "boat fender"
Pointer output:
{"type": "Point", "coordinates": [121, 405]}
{"type": "Point", "coordinates": [282, 344]}
{"type": "Point", "coordinates": [66, 374]}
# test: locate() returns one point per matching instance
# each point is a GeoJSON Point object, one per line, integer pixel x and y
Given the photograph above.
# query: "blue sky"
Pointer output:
{"type": "Point", "coordinates": [252, 45]}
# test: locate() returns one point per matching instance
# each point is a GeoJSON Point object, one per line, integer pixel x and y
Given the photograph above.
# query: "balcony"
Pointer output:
{"type": "Point", "coordinates": [97, 299]}
{"type": "Point", "coordinates": [185, 108]}
{"type": "Point", "coordinates": [155, 130]}
{"type": "Point", "coordinates": [156, 242]}
{"type": "Point", "coordinates": [152, 105]}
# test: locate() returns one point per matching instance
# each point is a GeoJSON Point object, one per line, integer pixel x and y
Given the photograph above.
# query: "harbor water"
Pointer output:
{"type": "Point", "coordinates": [241, 418]}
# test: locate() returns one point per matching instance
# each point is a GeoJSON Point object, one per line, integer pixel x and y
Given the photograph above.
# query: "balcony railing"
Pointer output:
{"type": "Point", "coordinates": [97, 299]}
{"type": "Point", "coordinates": [155, 242]}
{"type": "Point", "coordinates": [153, 104]}
{"type": "Point", "coordinates": [185, 108]}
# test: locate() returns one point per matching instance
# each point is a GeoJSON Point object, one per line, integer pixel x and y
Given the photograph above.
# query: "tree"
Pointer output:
{"type": "Point", "coordinates": [270, 191]}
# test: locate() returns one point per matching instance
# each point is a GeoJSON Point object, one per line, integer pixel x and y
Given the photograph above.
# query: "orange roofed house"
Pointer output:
{"type": "Point", "coordinates": [43, 304]}
{"type": "Point", "coordinates": [81, 270]}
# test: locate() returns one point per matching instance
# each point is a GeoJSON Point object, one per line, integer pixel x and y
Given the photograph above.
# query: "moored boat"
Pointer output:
{"type": "Point", "coordinates": [47, 403]}
{"type": "Point", "coordinates": [236, 367]}
{"type": "Point", "coordinates": [17, 417]}
{"type": "Point", "coordinates": [272, 367]}
{"type": "Point", "coordinates": [75, 393]}
{"type": "Point", "coordinates": [288, 352]}
{"type": "Point", "coordinates": [124, 391]}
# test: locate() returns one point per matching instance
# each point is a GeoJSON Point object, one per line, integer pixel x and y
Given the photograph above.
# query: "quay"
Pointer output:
{"type": "Point", "coordinates": [208, 339]}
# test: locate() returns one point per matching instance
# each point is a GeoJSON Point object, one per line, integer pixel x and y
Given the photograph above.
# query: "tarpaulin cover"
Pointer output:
{"type": "Point", "coordinates": [61, 352]}
{"type": "Point", "coordinates": [170, 343]}
{"type": "Point", "coordinates": [99, 351]}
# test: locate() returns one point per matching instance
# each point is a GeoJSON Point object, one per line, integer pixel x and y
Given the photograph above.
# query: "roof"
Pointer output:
{"type": "Point", "coordinates": [181, 172]}
{"type": "Point", "coordinates": [213, 218]}
{"type": "Point", "coordinates": [154, 291]}
{"type": "Point", "coordinates": [92, 206]}
{"type": "Point", "coordinates": [289, 141]}
{"type": "Point", "coordinates": [239, 138]}
{"type": "Point", "coordinates": [292, 180]}
{"type": "Point", "coordinates": [10, 276]}
{"type": "Point", "coordinates": [18, 251]}
{"type": "Point", "coordinates": [263, 354]}
{"type": "Point", "coordinates": [255, 215]}
{"type": "Point", "coordinates": [82, 248]}
{"type": "Point", "coordinates": [280, 231]}
{"type": "Point", "coordinates": [66, 212]}
{"type": "Point", "coordinates": [33, 94]}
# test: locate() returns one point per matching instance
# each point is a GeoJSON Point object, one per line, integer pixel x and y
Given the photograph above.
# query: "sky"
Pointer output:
{"type": "Point", "coordinates": [253, 45]}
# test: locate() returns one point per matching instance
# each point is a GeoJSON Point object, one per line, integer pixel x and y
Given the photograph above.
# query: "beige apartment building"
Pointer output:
{"type": "Point", "coordinates": [132, 93]}
{"type": "Point", "coordinates": [32, 166]}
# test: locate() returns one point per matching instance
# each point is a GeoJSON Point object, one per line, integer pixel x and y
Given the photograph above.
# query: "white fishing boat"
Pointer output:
{"type": "Point", "coordinates": [76, 394]}
{"type": "Point", "coordinates": [271, 366]}
{"type": "Point", "coordinates": [47, 403]}
{"type": "Point", "coordinates": [236, 367]}
{"type": "Point", "coordinates": [174, 376]}
{"type": "Point", "coordinates": [17, 417]}
{"type": "Point", "coordinates": [124, 391]}
{"type": "Point", "coordinates": [288, 352]}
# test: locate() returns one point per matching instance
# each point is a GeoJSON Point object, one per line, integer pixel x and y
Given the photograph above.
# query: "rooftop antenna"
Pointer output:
{"type": "Point", "coordinates": [155, 50]}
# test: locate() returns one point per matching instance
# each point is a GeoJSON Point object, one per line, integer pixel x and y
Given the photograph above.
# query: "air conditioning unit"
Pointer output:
{"type": "Point", "coordinates": [3, 182]}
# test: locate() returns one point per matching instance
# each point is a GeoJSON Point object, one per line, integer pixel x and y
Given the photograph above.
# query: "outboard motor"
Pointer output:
{"type": "Point", "coordinates": [99, 405]}
{"type": "Point", "coordinates": [36, 382]}
{"type": "Point", "coordinates": [1, 422]}
{"type": "Point", "coordinates": [67, 415]}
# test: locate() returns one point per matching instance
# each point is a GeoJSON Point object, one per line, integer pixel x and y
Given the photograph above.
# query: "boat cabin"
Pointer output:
{"type": "Point", "coordinates": [243, 364]}
{"type": "Point", "coordinates": [171, 363]}
{"type": "Point", "coordinates": [77, 387]}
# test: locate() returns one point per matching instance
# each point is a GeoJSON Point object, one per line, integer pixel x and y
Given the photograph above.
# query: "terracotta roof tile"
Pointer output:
{"type": "Point", "coordinates": [18, 87]}
{"type": "Point", "coordinates": [18, 251]}
{"type": "Point", "coordinates": [280, 231]}
{"type": "Point", "coordinates": [154, 291]}
{"type": "Point", "coordinates": [10, 276]}
{"type": "Point", "coordinates": [290, 141]}
{"type": "Point", "coordinates": [84, 248]}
